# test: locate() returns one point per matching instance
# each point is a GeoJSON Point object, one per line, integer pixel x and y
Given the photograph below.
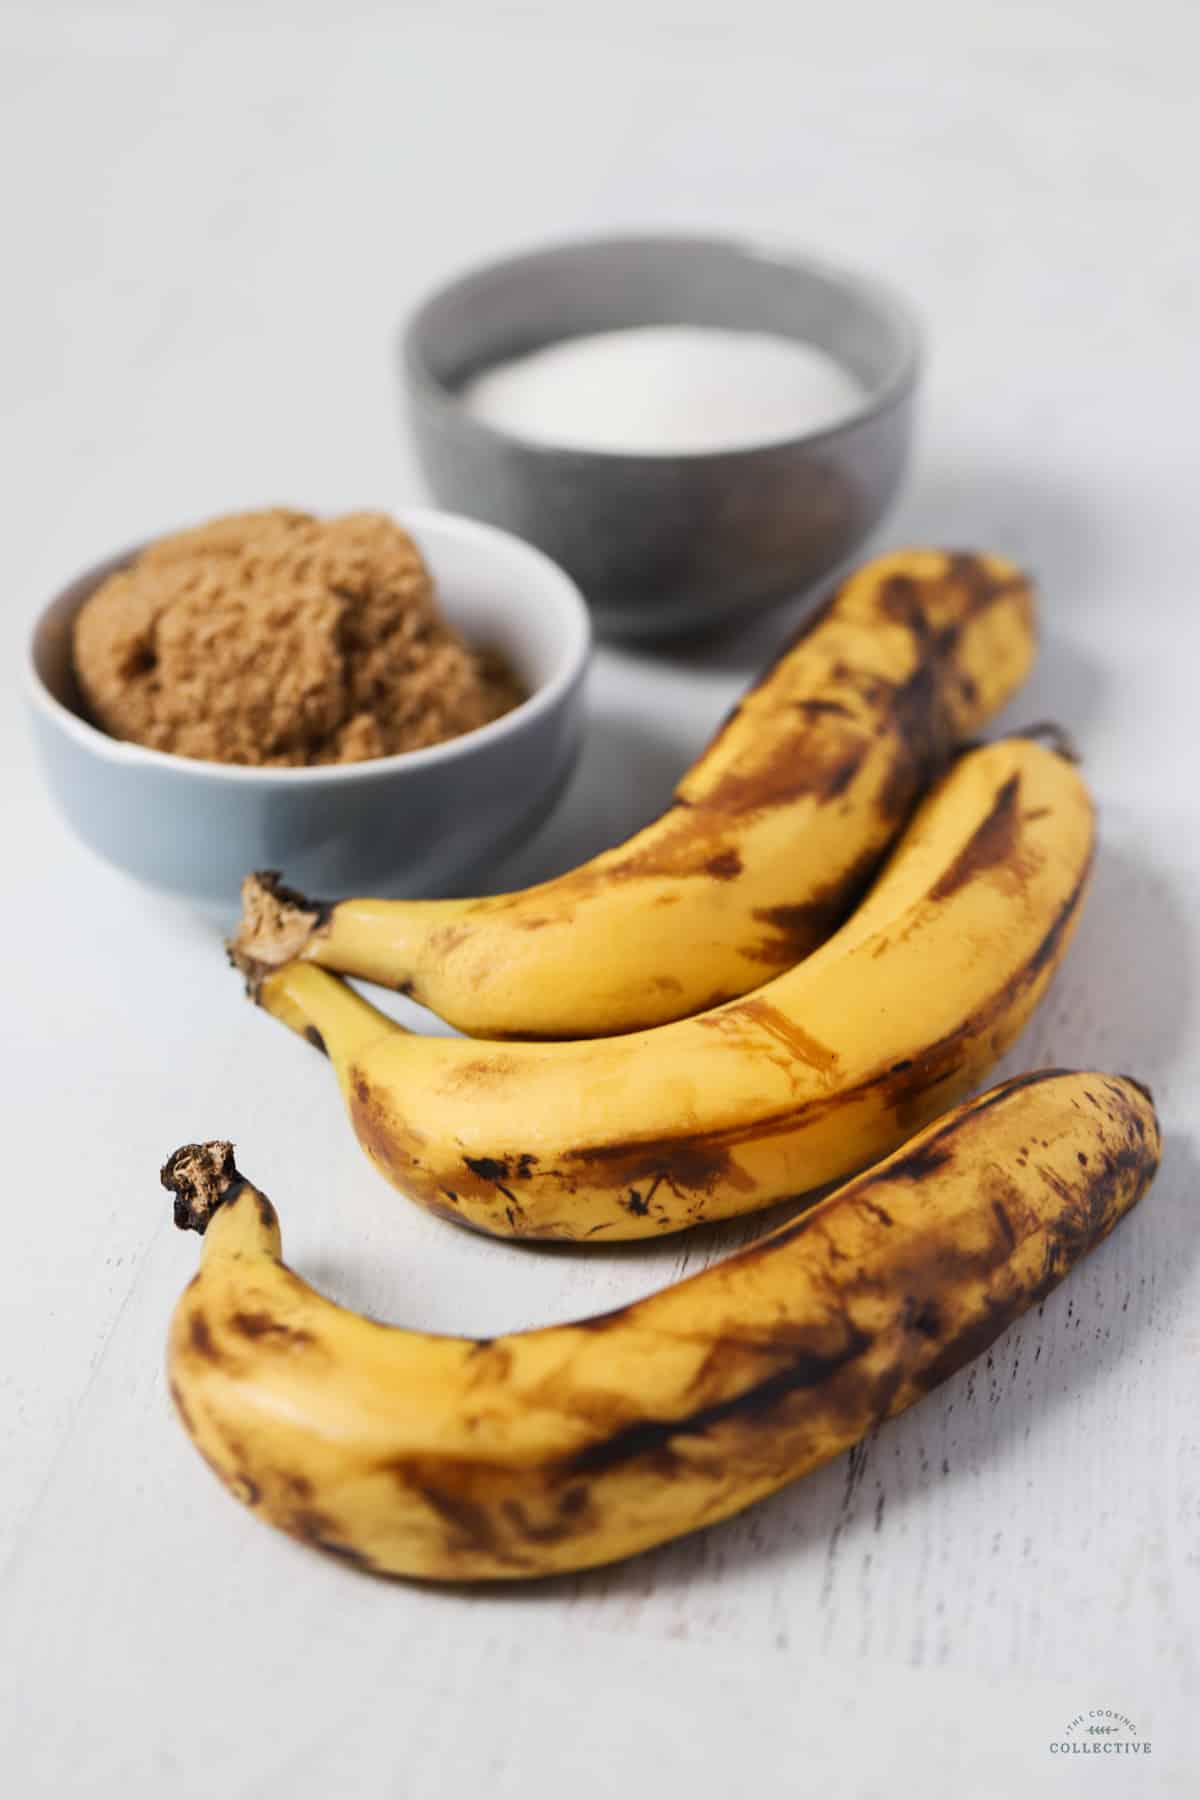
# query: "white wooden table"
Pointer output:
{"type": "Point", "coordinates": [215, 217]}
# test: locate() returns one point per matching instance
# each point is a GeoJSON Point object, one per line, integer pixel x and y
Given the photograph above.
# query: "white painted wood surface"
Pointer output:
{"type": "Point", "coordinates": [214, 217]}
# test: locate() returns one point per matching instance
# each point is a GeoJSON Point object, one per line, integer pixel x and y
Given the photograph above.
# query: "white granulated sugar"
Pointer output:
{"type": "Point", "coordinates": [666, 390]}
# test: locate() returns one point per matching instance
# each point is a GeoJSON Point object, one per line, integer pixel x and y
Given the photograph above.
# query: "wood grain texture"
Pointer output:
{"type": "Point", "coordinates": [218, 215]}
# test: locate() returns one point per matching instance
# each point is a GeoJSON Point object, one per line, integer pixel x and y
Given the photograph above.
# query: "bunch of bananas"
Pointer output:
{"type": "Point", "coordinates": [844, 919]}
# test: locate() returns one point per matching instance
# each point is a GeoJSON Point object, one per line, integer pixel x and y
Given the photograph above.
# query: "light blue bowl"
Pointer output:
{"type": "Point", "coordinates": [418, 824]}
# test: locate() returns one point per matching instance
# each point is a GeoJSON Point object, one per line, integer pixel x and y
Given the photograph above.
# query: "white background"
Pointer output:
{"type": "Point", "coordinates": [215, 214]}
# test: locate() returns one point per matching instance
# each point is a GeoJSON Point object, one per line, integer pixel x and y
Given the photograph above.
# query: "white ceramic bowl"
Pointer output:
{"type": "Point", "coordinates": [417, 824]}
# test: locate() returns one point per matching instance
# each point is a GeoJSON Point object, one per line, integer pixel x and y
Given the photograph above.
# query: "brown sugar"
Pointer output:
{"type": "Point", "coordinates": [278, 639]}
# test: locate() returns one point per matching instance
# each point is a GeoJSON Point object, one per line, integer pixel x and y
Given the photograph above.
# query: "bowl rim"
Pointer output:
{"type": "Point", "coordinates": [573, 664]}
{"type": "Point", "coordinates": [865, 288]}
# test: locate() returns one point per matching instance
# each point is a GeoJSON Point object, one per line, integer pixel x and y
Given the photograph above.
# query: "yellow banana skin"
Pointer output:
{"type": "Point", "coordinates": [773, 836]}
{"type": "Point", "coordinates": [558, 1449]}
{"type": "Point", "coordinates": [827, 1067]}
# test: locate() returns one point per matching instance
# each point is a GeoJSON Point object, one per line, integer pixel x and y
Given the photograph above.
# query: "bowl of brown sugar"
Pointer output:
{"type": "Point", "coordinates": [374, 704]}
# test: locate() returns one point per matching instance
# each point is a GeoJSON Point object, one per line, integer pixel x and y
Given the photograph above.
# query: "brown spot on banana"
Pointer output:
{"type": "Point", "coordinates": [321, 1531]}
{"type": "Point", "coordinates": [991, 847]}
{"type": "Point", "coordinates": [386, 1146]}
{"type": "Point", "coordinates": [245, 1489]}
{"type": "Point", "coordinates": [661, 1439]}
{"type": "Point", "coordinates": [263, 1328]}
{"type": "Point", "coordinates": [925, 742]}
{"type": "Point", "coordinates": [796, 929]}
{"type": "Point", "coordinates": [795, 1040]}
{"type": "Point", "coordinates": [786, 774]}
{"type": "Point", "coordinates": [469, 1527]}
{"type": "Point", "coordinates": [565, 1521]}
{"type": "Point", "coordinates": [201, 1338]}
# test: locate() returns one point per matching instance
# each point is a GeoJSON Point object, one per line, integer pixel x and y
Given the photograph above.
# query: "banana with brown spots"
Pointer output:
{"type": "Point", "coordinates": [774, 834]}
{"type": "Point", "coordinates": [896, 1017]}
{"type": "Point", "coordinates": [542, 1451]}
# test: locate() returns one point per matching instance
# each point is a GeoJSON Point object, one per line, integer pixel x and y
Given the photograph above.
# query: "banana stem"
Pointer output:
{"type": "Point", "coordinates": [1055, 737]}
{"type": "Point", "coordinates": [321, 1007]}
{"type": "Point", "coordinates": [379, 940]}
{"type": "Point", "coordinates": [208, 1186]}
{"type": "Point", "coordinates": [276, 926]}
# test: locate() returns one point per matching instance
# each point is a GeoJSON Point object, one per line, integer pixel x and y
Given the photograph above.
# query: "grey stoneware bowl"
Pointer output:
{"type": "Point", "coordinates": [417, 824]}
{"type": "Point", "coordinates": [674, 544]}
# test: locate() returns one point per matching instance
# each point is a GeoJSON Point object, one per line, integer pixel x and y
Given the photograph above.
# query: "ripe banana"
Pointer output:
{"type": "Point", "coordinates": [823, 1069]}
{"type": "Point", "coordinates": [541, 1451]}
{"type": "Point", "coordinates": [774, 834]}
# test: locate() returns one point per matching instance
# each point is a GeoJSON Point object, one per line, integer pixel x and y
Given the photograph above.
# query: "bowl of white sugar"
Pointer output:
{"type": "Point", "coordinates": [695, 428]}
